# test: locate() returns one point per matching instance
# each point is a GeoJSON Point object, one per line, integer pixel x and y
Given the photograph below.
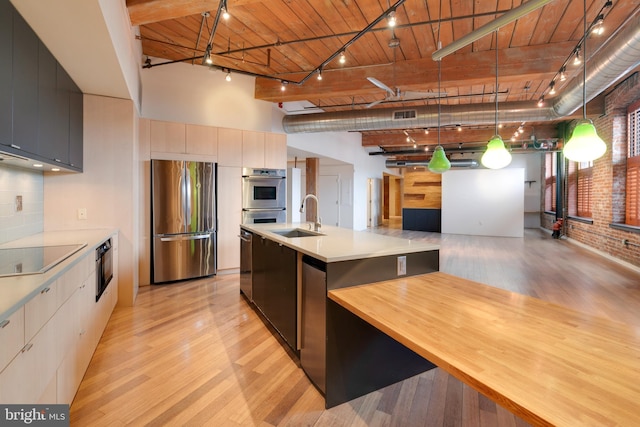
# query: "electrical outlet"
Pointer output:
{"type": "Point", "coordinates": [402, 265]}
{"type": "Point", "coordinates": [18, 203]}
{"type": "Point", "coordinates": [82, 213]}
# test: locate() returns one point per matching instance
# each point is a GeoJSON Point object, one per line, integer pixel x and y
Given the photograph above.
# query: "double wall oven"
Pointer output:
{"type": "Point", "coordinates": [264, 195]}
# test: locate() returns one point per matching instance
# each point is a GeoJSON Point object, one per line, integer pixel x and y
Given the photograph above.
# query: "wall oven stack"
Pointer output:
{"type": "Point", "coordinates": [264, 195]}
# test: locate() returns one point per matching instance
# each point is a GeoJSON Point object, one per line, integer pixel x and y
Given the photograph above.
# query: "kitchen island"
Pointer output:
{"type": "Point", "coordinates": [294, 267]}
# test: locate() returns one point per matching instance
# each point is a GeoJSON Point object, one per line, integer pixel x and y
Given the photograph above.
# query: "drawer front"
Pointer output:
{"type": "Point", "coordinates": [11, 337]}
{"type": "Point", "coordinates": [70, 282]}
{"type": "Point", "coordinates": [39, 310]}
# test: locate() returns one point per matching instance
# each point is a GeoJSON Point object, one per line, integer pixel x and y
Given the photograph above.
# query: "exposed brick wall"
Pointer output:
{"type": "Point", "coordinates": [609, 175]}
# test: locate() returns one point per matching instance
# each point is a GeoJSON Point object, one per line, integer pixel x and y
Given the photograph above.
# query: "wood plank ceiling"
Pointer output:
{"type": "Point", "coordinates": [278, 40]}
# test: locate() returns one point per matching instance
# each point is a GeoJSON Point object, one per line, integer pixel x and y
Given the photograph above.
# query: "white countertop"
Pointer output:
{"type": "Point", "coordinates": [15, 291]}
{"type": "Point", "coordinates": [340, 244]}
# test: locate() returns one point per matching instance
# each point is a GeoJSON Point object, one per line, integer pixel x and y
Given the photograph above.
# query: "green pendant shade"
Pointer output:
{"type": "Point", "coordinates": [497, 156]}
{"type": "Point", "coordinates": [439, 162]}
{"type": "Point", "coordinates": [584, 145]}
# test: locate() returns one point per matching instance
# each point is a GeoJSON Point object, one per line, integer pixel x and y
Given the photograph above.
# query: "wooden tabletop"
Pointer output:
{"type": "Point", "coordinates": [548, 364]}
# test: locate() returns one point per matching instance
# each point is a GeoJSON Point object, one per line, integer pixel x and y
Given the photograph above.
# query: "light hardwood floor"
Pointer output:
{"type": "Point", "coordinates": [195, 353]}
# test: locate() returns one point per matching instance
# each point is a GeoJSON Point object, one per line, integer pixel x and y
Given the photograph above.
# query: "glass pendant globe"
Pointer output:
{"type": "Point", "coordinates": [584, 145]}
{"type": "Point", "coordinates": [439, 162]}
{"type": "Point", "coordinates": [497, 156]}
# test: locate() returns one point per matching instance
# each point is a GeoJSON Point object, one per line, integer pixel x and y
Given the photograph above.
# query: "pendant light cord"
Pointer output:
{"type": "Point", "coordinates": [496, 86]}
{"type": "Point", "coordinates": [584, 63]}
{"type": "Point", "coordinates": [439, 69]}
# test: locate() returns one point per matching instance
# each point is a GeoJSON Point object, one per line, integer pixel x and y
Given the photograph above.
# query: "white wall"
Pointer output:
{"type": "Point", "coordinates": [347, 146]}
{"type": "Point", "coordinates": [28, 184]}
{"type": "Point", "coordinates": [483, 202]}
{"type": "Point", "coordinates": [194, 94]}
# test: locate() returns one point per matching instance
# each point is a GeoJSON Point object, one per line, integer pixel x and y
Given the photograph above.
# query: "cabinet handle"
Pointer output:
{"type": "Point", "coordinates": [57, 160]}
{"type": "Point", "coordinates": [45, 290]}
{"type": "Point", "coordinates": [4, 323]}
{"type": "Point", "coordinates": [16, 146]}
{"type": "Point", "coordinates": [27, 347]}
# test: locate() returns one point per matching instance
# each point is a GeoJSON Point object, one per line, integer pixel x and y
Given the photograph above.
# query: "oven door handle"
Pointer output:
{"type": "Point", "coordinates": [263, 209]}
{"type": "Point", "coordinates": [248, 177]}
{"type": "Point", "coordinates": [181, 238]}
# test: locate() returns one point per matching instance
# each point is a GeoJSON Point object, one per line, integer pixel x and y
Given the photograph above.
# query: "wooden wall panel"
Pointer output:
{"type": "Point", "coordinates": [422, 189]}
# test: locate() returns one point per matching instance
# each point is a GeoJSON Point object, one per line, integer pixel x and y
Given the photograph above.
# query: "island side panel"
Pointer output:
{"type": "Point", "coordinates": [360, 358]}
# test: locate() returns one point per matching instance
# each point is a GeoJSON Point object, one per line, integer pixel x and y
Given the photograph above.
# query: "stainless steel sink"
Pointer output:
{"type": "Point", "coordinates": [296, 232]}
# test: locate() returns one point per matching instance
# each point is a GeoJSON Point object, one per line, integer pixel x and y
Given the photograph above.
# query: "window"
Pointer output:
{"type": "Point", "coordinates": [580, 183]}
{"type": "Point", "coordinates": [550, 182]}
{"type": "Point", "coordinates": [632, 213]}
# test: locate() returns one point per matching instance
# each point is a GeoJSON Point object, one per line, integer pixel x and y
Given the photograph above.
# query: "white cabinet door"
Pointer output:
{"type": "Point", "coordinates": [252, 149]}
{"type": "Point", "coordinates": [229, 147]}
{"type": "Point", "coordinates": [229, 216]}
{"type": "Point", "coordinates": [39, 310]}
{"type": "Point", "coordinates": [275, 151]}
{"type": "Point", "coordinates": [167, 137]}
{"type": "Point", "coordinates": [11, 337]}
{"type": "Point", "coordinates": [202, 140]}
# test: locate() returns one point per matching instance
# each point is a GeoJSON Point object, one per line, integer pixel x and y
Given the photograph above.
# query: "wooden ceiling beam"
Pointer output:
{"type": "Point", "coordinates": [514, 65]}
{"type": "Point", "coordinates": [450, 136]}
{"type": "Point", "coordinates": [148, 11]}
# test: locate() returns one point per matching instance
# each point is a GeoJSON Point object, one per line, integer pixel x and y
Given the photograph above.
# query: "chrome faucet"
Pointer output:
{"type": "Point", "coordinates": [317, 224]}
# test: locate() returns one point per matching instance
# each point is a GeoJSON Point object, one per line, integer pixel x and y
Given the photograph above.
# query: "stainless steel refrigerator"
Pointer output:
{"type": "Point", "coordinates": [183, 201]}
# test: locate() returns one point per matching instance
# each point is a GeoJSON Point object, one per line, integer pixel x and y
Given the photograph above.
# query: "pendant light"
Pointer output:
{"type": "Point", "coordinates": [439, 162]}
{"type": "Point", "coordinates": [584, 145]}
{"type": "Point", "coordinates": [496, 156]}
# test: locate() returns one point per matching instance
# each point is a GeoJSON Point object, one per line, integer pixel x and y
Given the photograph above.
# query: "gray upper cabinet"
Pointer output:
{"type": "Point", "coordinates": [49, 141]}
{"type": "Point", "coordinates": [25, 86]}
{"type": "Point", "coordinates": [40, 105]}
{"type": "Point", "coordinates": [6, 52]}
{"type": "Point", "coordinates": [75, 124]}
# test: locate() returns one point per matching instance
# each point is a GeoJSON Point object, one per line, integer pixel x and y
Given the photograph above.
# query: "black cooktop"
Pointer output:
{"type": "Point", "coordinates": [35, 259]}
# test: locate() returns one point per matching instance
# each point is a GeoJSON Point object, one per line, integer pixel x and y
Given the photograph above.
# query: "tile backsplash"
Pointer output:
{"type": "Point", "coordinates": [15, 223]}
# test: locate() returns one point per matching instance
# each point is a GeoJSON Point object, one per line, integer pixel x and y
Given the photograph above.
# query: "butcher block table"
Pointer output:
{"type": "Point", "coordinates": [547, 364]}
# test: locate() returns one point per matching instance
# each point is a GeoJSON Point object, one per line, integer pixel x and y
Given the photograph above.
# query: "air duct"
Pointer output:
{"type": "Point", "coordinates": [456, 163]}
{"type": "Point", "coordinates": [612, 62]}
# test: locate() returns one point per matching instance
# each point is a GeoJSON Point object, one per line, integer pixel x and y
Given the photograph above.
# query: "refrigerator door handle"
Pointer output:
{"type": "Point", "coordinates": [186, 198]}
{"type": "Point", "coordinates": [189, 237]}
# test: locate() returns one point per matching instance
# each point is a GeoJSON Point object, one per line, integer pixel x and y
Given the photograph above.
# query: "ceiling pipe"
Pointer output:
{"type": "Point", "coordinates": [612, 62]}
{"type": "Point", "coordinates": [488, 28]}
{"type": "Point", "coordinates": [455, 163]}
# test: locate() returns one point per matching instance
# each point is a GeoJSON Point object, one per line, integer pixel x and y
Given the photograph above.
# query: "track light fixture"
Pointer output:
{"type": "Point", "coordinates": [563, 74]}
{"type": "Point", "coordinates": [391, 19]}
{"type": "Point", "coordinates": [552, 88]}
{"type": "Point", "coordinates": [597, 28]}
{"type": "Point", "coordinates": [343, 58]}
{"type": "Point", "coordinates": [223, 9]}
{"type": "Point", "coordinates": [206, 59]}
{"type": "Point", "coordinates": [228, 76]}
{"type": "Point", "coordinates": [320, 73]}
{"type": "Point", "coordinates": [459, 128]}
{"type": "Point", "coordinates": [283, 86]}
{"type": "Point", "coordinates": [576, 59]}
{"type": "Point", "coordinates": [541, 101]}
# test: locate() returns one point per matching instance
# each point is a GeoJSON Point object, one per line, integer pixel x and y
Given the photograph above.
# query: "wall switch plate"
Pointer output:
{"type": "Point", "coordinates": [82, 213]}
{"type": "Point", "coordinates": [402, 265]}
{"type": "Point", "coordinates": [18, 203]}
